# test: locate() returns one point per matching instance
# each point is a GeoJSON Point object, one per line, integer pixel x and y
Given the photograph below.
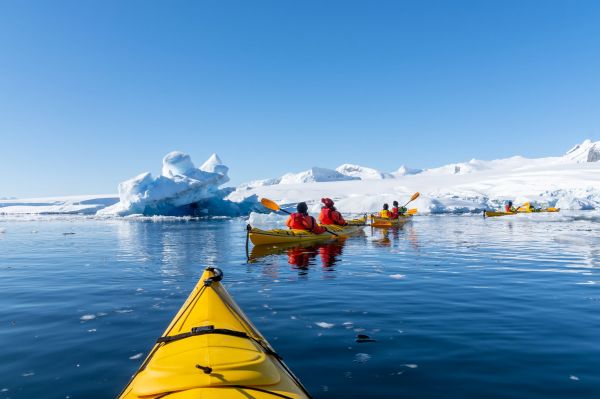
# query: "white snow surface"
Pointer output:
{"type": "Point", "coordinates": [363, 172]}
{"type": "Point", "coordinates": [571, 181]}
{"type": "Point", "coordinates": [180, 184]}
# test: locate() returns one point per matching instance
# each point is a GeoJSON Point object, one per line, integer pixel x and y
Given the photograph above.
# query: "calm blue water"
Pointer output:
{"type": "Point", "coordinates": [459, 307]}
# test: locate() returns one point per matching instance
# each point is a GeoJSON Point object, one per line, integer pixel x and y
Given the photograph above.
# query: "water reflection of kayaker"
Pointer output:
{"type": "Point", "coordinates": [329, 253]}
{"type": "Point", "coordinates": [330, 215]}
{"type": "Point", "coordinates": [301, 220]}
{"type": "Point", "coordinates": [301, 257]}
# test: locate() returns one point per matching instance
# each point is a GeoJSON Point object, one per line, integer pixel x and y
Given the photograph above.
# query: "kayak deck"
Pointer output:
{"type": "Point", "coordinates": [212, 350]}
{"type": "Point", "coordinates": [282, 236]}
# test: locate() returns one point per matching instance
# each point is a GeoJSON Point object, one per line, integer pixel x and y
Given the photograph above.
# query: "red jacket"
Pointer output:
{"type": "Point", "coordinates": [395, 212]}
{"type": "Point", "coordinates": [300, 221]}
{"type": "Point", "coordinates": [329, 216]}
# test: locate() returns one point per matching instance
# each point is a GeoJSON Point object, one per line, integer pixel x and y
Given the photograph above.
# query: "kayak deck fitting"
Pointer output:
{"type": "Point", "coordinates": [212, 350]}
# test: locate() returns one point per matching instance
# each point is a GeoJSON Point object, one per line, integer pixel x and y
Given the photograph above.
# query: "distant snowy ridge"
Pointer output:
{"type": "Point", "coordinates": [362, 172]}
{"type": "Point", "coordinates": [571, 181]}
{"type": "Point", "coordinates": [587, 151]}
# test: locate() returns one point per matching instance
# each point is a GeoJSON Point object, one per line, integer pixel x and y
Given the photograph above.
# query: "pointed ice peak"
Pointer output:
{"type": "Point", "coordinates": [587, 151]}
{"type": "Point", "coordinates": [214, 165]}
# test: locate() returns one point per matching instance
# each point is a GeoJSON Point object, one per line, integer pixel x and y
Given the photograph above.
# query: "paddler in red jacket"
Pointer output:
{"type": "Point", "coordinates": [396, 211]}
{"type": "Point", "coordinates": [301, 220]}
{"type": "Point", "coordinates": [329, 215]}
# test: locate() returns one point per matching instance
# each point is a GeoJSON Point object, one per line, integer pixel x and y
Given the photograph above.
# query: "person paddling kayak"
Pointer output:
{"type": "Point", "coordinates": [330, 215]}
{"type": "Point", "coordinates": [301, 220]}
{"type": "Point", "coordinates": [385, 212]}
{"type": "Point", "coordinates": [398, 211]}
{"type": "Point", "coordinates": [509, 207]}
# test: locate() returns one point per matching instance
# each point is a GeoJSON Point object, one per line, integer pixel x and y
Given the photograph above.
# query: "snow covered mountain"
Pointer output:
{"type": "Point", "coordinates": [587, 151]}
{"type": "Point", "coordinates": [362, 172]}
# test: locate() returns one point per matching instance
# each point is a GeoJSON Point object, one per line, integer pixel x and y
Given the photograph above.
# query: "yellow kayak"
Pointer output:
{"type": "Point", "coordinates": [377, 221]}
{"type": "Point", "coordinates": [282, 236]}
{"type": "Point", "coordinates": [490, 214]}
{"type": "Point", "coordinates": [211, 350]}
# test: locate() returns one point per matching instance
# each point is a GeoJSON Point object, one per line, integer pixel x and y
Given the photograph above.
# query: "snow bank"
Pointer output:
{"type": "Point", "coordinates": [81, 204]}
{"type": "Point", "coordinates": [178, 190]}
{"type": "Point", "coordinates": [571, 181]}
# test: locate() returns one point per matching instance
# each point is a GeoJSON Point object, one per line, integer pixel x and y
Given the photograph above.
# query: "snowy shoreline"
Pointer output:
{"type": "Point", "coordinates": [569, 182]}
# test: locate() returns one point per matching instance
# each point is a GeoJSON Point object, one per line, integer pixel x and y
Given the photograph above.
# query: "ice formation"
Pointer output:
{"type": "Point", "coordinates": [178, 190]}
{"type": "Point", "coordinates": [363, 172]}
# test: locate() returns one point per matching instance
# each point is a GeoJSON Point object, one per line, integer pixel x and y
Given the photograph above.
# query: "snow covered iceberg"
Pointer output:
{"type": "Point", "coordinates": [180, 189]}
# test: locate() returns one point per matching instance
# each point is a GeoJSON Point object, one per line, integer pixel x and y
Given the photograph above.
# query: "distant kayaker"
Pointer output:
{"type": "Point", "coordinates": [509, 207]}
{"type": "Point", "coordinates": [396, 211]}
{"type": "Point", "coordinates": [301, 220]}
{"type": "Point", "coordinates": [385, 212]}
{"type": "Point", "coordinates": [330, 215]}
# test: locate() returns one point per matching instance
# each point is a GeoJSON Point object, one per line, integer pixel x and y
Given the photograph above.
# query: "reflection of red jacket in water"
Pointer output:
{"type": "Point", "coordinates": [301, 221]}
{"type": "Point", "coordinates": [331, 216]}
{"type": "Point", "coordinates": [329, 253]}
{"type": "Point", "coordinates": [301, 256]}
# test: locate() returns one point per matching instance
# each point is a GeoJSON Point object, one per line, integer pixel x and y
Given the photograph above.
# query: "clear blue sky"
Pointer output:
{"type": "Point", "coordinates": [95, 92]}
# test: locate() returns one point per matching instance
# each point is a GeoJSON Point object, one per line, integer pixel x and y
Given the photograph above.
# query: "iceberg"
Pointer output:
{"type": "Point", "coordinates": [180, 189]}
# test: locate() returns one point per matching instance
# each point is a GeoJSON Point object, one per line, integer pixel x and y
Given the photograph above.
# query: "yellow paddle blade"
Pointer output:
{"type": "Point", "coordinates": [415, 196]}
{"type": "Point", "coordinates": [412, 211]}
{"type": "Point", "coordinates": [552, 209]}
{"type": "Point", "coordinates": [272, 205]}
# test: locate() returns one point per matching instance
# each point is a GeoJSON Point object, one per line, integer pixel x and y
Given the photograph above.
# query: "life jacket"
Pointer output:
{"type": "Point", "coordinates": [395, 212]}
{"type": "Point", "coordinates": [384, 213]}
{"type": "Point", "coordinates": [329, 216]}
{"type": "Point", "coordinates": [508, 208]}
{"type": "Point", "coordinates": [304, 222]}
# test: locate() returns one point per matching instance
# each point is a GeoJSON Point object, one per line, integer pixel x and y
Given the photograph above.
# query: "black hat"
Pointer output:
{"type": "Point", "coordinates": [302, 207]}
{"type": "Point", "coordinates": [395, 203]}
{"type": "Point", "coordinates": [386, 206]}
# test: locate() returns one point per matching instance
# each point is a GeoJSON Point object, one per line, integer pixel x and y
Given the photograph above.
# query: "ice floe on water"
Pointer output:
{"type": "Point", "coordinates": [136, 356]}
{"type": "Point", "coordinates": [362, 357]}
{"type": "Point", "coordinates": [87, 317]}
{"type": "Point", "coordinates": [324, 324]}
{"type": "Point", "coordinates": [397, 276]}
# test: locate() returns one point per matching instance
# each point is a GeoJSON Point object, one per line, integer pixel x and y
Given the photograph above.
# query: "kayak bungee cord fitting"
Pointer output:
{"type": "Point", "coordinates": [212, 350]}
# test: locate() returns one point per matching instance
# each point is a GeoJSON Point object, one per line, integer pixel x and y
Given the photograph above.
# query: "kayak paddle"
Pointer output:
{"type": "Point", "coordinates": [414, 197]}
{"type": "Point", "coordinates": [272, 205]}
{"type": "Point", "coordinates": [412, 211]}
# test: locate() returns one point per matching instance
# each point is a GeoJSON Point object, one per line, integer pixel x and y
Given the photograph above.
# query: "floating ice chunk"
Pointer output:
{"type": "Point", "coordinates": [323, 324]}
{"type": "Point", "coordinates": [410, 366]}
{"type": "Point", "coordinates": [28, 374]}
{"type": "Point", "coordinates": [362, 357]}
{"type": "Point", "coordinates": [136, 356]}
{"type": "Point", "coordinates": [179, 185]}
{"type": "Point", "coordinates": [574, 378]}
{"type": "Point", "coordinates": [87, 317]}
{"type": "Point", "coordinates": [397, 276]}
